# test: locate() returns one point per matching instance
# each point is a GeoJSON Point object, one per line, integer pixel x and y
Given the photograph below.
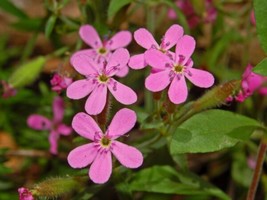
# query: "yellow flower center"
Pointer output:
{"type": "Point", "coordinates": [105, 141]}
{"type": "Point", "coordinates": [103, 78]}
{"type": "Point", "coordinates": [102, 50]}
{"type": "Point", "coordinates": [178, 69]}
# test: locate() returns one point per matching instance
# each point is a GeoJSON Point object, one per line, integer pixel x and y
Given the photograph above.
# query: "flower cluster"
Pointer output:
{"type": "Point", "coordinates": [100, 65]}
{"type": "Point", "coordinates": [107, 59]}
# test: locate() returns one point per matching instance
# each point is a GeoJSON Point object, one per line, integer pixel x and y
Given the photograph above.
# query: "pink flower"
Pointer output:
{"type": "Point", "coordinates": [60, 83]}
{"type": "Point", "coordinates": [25, 194]}
{"type": "Point", "coordinates": [102, 50]}
{"type": "Point", "coordinates": [55, 126]}
{"type": "Point", "coordinates": [173, 72]}
{"type": "Point", "coordinates": [99, 81]}
{"type": "Point", "coordinates": [145, 39]}
{"type": "Point", "coordinates": [251, 82]}
{"type": "Point", "coordinates": [193, 19]}
{"type": "Point", "coordinates": [98, 153]}
{"type": "Point", "coordinates": [8, 90]}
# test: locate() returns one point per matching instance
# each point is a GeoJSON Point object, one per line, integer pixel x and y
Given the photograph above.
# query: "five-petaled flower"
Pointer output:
{"type": "Point", "coordinates": [25, 194]}
{"type": "Point", "coordinates": [99, 80]}
{"type": "Point", "coordinates": [98, 153]}
{"type": "Point", "coordinates": [173, 71]}
{"type": "Point", "coordinates": [146, 40]}
{"type": "Point", "coordinates": [101, 51]}
{"type": "Point", "coordinates": [55, 126]}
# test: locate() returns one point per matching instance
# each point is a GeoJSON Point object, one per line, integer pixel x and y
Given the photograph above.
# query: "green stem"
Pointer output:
{"type": "Point", "coordinates": [257, 172]}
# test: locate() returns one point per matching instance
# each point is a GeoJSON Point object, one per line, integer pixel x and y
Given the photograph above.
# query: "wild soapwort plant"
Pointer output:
{"type": "Point", "coordinates": [144, 125]}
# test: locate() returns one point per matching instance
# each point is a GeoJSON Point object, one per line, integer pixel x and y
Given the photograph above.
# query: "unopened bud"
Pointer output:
{"type": "Point", "coordinates": [55, 187]}
{"type": "Point", "coordinates": [216, 96]}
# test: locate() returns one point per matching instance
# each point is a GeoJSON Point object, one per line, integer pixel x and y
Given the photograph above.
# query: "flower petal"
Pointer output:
{"type": "Point", "coordinates": [97, 100]}
{"type": "Point", "coordinates": [137, 61]}
{"type": "Point", "coordinates": [178, 90]}
{"type": "Point", "coordinates": [58, 109]}
{"type": "Point", "coordinates": [83, 64]}
{"type": "Point", "coordinates": [123, 72]}
{"type": "Point", "coordinates": [156, 59]}
{"type": "Point", "coordinates": [38, 122]}
{"type": "Point", "coordinates": [123, 121]}
{"type": "Point", "coordinates": [63, 129]}
{"type": "Point", "coordinates": [101, 168]}
{"type": "Point", "coordinates": [121, 39]}
{"type": "Point", "coordinates": [53, 140]}
{"type": "Point", "coordinates": [185, 47]}
{"type": "Point", "coordinates": [90, 36]}
{"type": "Point", "coordinates": [122, 93]}
{"type": "Point", "coordinates": [128, 156]}
{"type": "Point", "coordinates": [172, 35]}
{"type": "Point", "coordinates": [158, 81]}
{"type": "Point", "coordinates": [200, 78]}
{"type": "Point", "coordinates": [80, 89]}
{"type": "Point", "coordinates": [117, 61]}
{"type": "Point", "coordinates": [82, 156]}
{"type": "Point", "coordinates": [89, 52]}
{"type": "Point", "coordinates": [145, 39]}
{"type": "Point", "coordinates": [85, 126]}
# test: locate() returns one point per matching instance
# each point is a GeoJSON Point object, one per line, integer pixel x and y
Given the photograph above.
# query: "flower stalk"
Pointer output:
{"type": "Point", "coordinates": [257, 172]}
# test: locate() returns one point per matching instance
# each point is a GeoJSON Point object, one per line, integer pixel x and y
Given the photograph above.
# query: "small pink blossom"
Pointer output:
{"type": "Point", "coordinates": [193, 19]}
{"type": "Point", "coordinates": [145, 39]}
{"type": "Point", "coordinates": [25, 194]}
{"type": "Point", "coordinates": [98, 153]}
{"type": "Point", "coordinates": [102, 50]}
{"type": "Point", "coordinates": [251, 82]}
{"type": "Point", "coordinates": [173, 71]}
{"type": "Point", "coordinates": [60, 83]}
{"type": "Point", "coordinates": [8, 90]}
{"type": "Point", "coordinates": [55, 126]}
{"type": "Point", "coordinates": [98, 81]}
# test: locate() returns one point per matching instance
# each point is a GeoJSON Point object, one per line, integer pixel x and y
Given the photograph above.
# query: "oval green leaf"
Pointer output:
{"type": "Point", "coordinates": [212, 130]}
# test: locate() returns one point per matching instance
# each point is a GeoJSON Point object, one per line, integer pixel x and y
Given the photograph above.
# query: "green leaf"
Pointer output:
{"type": "Point", "coordinates": [261, 68]}
{"type": "Point", "coordinates": [211, 131]}
{"type": "Point", "coordinates": [9, 7]}
{"type": "Point", "coordinates": [260, 8]}
{"type": "Point", "coordinates": [27, 73]}
{"type": "Point", "coordinates": [116, 5]}
{"type": "Point", "coordinates": [166, 180]}
{"type": "Point", "coordinates": [50, 24]}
